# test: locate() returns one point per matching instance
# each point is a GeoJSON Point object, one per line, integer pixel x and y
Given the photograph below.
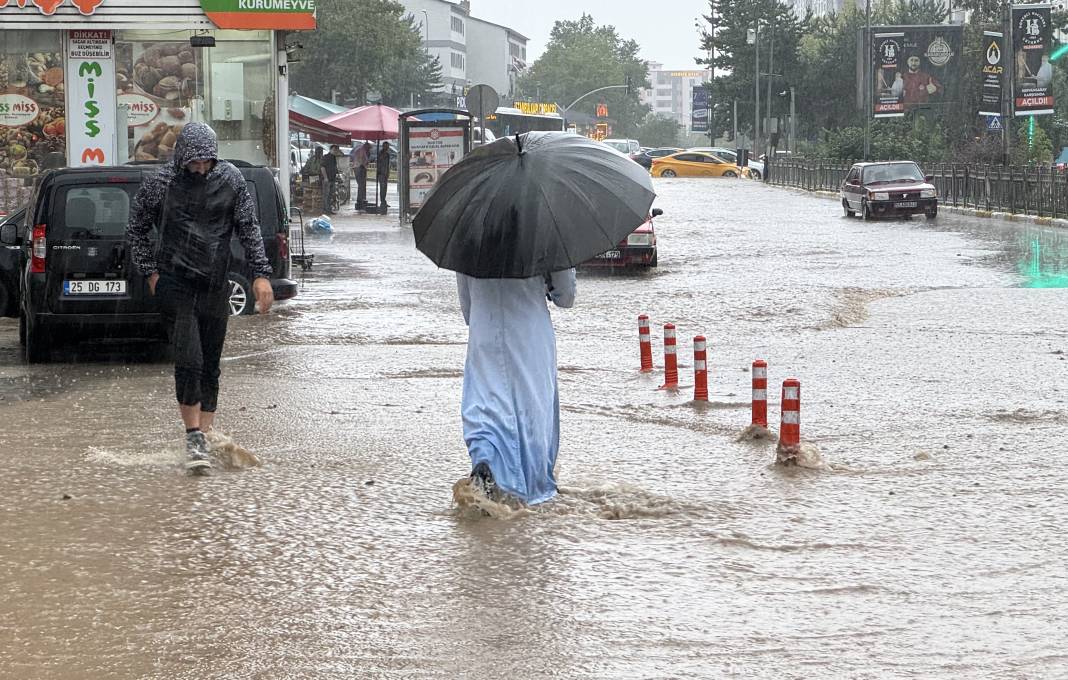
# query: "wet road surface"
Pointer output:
{"type": "Point", "coordinates": [930, 544]}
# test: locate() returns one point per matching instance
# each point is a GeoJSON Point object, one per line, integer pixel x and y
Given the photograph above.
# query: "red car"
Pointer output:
{"type": "Point", "coordinates": [638, 250]}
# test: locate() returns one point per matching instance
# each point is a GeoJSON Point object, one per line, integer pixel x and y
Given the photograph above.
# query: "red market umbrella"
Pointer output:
{"type": "Point", "coordinates": [374, 123]}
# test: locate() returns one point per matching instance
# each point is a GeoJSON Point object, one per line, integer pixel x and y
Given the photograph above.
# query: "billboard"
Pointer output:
{"type": "Point", "coordinates": [699, 113]}
{"type": "Point", "coordinates": [992, 73]}
{"type": "Point", "coordinates": [1032, 70]}
{"type": "Point", "coordinates": [914, 67]}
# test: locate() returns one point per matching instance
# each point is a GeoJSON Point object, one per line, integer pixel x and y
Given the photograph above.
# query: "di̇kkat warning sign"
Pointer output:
{"type": "Point", "coordinates": [914, 67]}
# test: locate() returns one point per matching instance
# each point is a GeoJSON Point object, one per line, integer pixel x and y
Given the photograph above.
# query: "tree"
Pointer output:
{"type": "Point", "coordinates": [582, 57]}
{"type": "Point", "coordinates": [365, 46]}
{"type": "Point", "coordinates": [658, 130]}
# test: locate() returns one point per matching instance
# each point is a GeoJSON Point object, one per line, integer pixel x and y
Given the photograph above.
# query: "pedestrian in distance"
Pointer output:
{"type": "Point", "coordinates": [314, 163]}
{"type": "Point", "coordinates": [511, 404]}
{"type": "Point", "coordinates": [360, 159]}
{"type": "Point", "coordinates": [198, 202]}
{"type": "Point", "coordinates": [328, 174]}
{"type": "Point", "coordinates": [382, 168]}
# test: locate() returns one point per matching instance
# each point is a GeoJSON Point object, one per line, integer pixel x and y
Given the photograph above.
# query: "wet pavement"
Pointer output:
{"type": "Point", "coordinates": [929, 544]}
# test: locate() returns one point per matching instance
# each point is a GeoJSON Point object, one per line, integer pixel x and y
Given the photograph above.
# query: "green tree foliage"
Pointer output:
{"type": "Point", "coordinates": [659, 131]}
{"type": "Point", "coordinates": [581, 57]}
{"type": "Point", "coordinates": [1031, 148]}
{"type": "Point", "coordinates": [364, 46]}
{"type": "Point", "coordinates": [734, 60]}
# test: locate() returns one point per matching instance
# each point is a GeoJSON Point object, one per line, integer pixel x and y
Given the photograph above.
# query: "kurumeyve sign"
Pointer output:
{"type": "Point", "coordinates": [280, 15]}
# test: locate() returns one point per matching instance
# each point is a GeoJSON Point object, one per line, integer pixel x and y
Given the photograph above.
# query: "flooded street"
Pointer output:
{"type": "Point", "coordinates": [932, 357]}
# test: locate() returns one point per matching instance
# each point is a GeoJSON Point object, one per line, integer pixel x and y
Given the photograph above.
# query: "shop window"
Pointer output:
{"type": "Point", "coordinates": [165, 83]}
{"type": "Point", "coordinates": [32, 113]}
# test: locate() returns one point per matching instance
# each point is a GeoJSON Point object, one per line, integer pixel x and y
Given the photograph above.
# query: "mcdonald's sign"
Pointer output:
{"type": "Point", "coordinates": [602, 110]}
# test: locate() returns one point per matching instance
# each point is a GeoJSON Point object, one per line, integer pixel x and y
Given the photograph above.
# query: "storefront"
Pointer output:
{"type": "Point", "coordinates": [102, 82]}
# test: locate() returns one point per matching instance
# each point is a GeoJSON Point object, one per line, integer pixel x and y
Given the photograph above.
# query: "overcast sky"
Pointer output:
{"type": "Point", "coordinates": [664, 28]}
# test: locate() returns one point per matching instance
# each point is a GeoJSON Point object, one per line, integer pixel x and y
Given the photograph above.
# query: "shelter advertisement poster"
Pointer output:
{"type": "Point", "coordinates": [699, 114]}
{"type": "Point", "coordinates": [914, 67]}
{"type": "Point", "coordinates": [1032, 70]}
{"type": "Point", "coordinates": [431, 152]}
{"type": "Point", "coordinates": [992, 73]}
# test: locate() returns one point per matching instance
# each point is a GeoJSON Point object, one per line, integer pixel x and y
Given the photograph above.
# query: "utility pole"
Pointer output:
{"type": "Point", "coordinates": [735, 138]}
{"type": "Point", "coordinates": [769, 74]}
{"type": "Point", "coordinates": [1007, 93]}
{"type": "Point", "coordinates": [756, 87]}
{"type": "Point", "coordinates": [867, 79]}
{"type": "Point", "coordinates": [793, 124]}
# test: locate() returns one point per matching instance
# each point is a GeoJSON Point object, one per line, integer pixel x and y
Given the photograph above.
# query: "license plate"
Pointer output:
{"type": "Point", "coordinates": [905, 204]}
{"type": "Point", "coordinates": [90, 287]}
{"type": "Point", "coordinates": [610, 255]}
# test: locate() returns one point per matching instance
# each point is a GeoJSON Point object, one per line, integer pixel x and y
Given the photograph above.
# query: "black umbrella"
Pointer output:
{"type": "Point", "coordinates": [533, 204]}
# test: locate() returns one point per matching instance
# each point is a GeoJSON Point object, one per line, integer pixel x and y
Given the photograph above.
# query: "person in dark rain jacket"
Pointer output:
{"type": "Point", "coordinates": [198, 202]}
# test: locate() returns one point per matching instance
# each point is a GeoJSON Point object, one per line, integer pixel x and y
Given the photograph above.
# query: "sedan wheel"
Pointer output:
{"type": "Point", "coordinates": [668, 173]}
{"type": "Point", "coordinates": [849, 212]}
{"type": "Point", "coordinates": [865, 214]}
{"type": "Point", "coordinates": [729, 173]}
{"type": "Point", "coordinates": [240, 298]}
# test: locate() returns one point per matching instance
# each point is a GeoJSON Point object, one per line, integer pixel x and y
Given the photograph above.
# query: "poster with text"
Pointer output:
{"type": "Point", "coordinates": [91, 121]}
{"type": "Point", "coordinates": [915, 67]}
{"type": "Point", "coordinates": [992, 73]}
{"type": "Point", "coordinates": [1032, 70]}
{"type": "Point", "coordinates": [699, 118]}
{"type": "Point", "coordinates": [431, 152]}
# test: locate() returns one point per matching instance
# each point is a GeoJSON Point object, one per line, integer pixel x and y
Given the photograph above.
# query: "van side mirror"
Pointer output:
{"type": "Point", "coordinates": [657, 212]}
{"type": "Point", "coordinates": [928, 178]}
{"type": "Point", "coordinates": [9, 235]}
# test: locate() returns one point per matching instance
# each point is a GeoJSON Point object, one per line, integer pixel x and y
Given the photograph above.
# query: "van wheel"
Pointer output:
{"type": "Point", "coordinates": [240, 297]}
{"type": "Point", "coordinates": [38, 347]}
{"type": "Point", "coordinates": [755, 174]}
{"type": "Point", "coordinates": [5, 300]}
{"type": "Point", "coordinates": [22, 329]}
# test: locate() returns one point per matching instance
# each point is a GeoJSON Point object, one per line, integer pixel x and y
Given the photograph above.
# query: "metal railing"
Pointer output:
{"type": "Point", "coordinates": [1028, 190]}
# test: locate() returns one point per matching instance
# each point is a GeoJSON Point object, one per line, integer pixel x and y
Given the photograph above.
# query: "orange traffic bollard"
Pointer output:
{"type": "Point", "coordinates": [700, 369]}
{"type": "Point", "coordinates": [671, 365]}
{"type": "Point", "coordinates": [646, 343]}
{"type": "Point", "coordinates": [790, 430]}
{"type": "Point", "coordinates": [760, 393]}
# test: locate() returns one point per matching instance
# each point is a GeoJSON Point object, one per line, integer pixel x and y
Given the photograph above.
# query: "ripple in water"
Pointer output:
{"type": "Point", "coordinates": [611, 501]}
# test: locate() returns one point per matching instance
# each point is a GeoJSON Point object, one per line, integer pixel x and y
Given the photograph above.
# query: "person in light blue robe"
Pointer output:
{"type": "Point", "coordinates": [511, 407]}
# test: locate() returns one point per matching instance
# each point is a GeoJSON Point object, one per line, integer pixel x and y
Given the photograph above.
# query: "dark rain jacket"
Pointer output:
{"type": "Point", "coordinates": [197, 216]}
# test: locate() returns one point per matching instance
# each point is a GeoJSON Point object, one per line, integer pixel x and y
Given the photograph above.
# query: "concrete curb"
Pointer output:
{"type": "Point", "coordinates": [1043, 221]}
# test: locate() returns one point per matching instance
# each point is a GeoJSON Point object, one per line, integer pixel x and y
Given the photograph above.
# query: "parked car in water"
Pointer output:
{"type": "Point", "coordinates": [625, 146]}
{"type": "Point", "coordinates": [695, 164]}
{"type": "Point", "coordinates": [756, 167]}
{"type": "Point", "coordinates": [894, 188]}
{"type": "Point", "coordinates": [646, 157]}
{"type": "Point", "coordinates": [76, 276]}
{"type": "Point", "coordinates": [11, 265]}
{"type": "Point", "coordinates": [637, 251]}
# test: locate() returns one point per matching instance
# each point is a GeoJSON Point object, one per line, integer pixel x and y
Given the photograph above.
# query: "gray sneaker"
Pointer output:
{"type": "Point", "coordinates": [198, 462]}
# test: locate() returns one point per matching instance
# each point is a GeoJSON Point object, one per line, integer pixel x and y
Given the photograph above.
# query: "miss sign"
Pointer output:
{"type": "Point", "coordinates": [91, 119]}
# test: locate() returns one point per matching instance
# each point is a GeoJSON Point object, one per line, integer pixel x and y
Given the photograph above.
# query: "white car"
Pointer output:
{"type": "Point", "coordinates": [756, 168]}
{"type": "Point", "coordinates": [630, 147]}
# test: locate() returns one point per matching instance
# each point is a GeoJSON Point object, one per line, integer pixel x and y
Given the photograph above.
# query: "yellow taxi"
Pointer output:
{"type": "Point", "coordinates": [695, 164]}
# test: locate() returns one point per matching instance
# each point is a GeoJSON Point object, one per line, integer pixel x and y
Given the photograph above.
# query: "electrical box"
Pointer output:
{"type": "Point", "coordinates": [228, 92]}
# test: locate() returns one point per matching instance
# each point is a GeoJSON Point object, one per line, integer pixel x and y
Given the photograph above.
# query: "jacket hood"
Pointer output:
{"type": "Point", "coordinates": [196, 141]}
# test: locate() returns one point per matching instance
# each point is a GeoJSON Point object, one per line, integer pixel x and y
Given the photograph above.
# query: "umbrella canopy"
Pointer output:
{"type": "Point", "coordinates": [317, 130]}
{"type": "Point", "coordinates": [375, 122]}
{"type": "Point", "coordinates": [313, 108]}
{"type": "Point", "coordinates": [532, 204]}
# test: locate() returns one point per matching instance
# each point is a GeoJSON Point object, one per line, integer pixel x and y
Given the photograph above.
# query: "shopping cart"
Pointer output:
{"type": "Point", "coordinates": [296, 241]}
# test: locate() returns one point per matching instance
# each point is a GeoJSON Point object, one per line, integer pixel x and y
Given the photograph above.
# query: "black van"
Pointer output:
{"type": "Point", "coordinates": [78, 279]}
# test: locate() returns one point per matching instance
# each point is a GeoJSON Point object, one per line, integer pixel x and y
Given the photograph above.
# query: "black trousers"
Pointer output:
{"type": "Point", "coordinates": [383, 185]}
{"type": "Point", "coordinates": [361, 186]}
{"type": "Point", "coordinates": [196, 325]}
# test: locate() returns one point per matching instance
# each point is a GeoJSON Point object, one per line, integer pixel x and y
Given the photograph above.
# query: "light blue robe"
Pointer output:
{"type": "Point", "coordinates": [511, 407]}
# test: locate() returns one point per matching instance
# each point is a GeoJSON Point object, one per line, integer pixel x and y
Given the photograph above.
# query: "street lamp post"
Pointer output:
{"type": "Point", "coordinates": [756, 89]}
{"type": "Point", "coordinates": [867, 79]}
{"type": "Point", "coordinates": [426, 31]}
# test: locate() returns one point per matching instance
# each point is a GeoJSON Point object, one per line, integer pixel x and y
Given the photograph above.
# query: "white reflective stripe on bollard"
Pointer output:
{"type": "Point", "coordinates": [699, 365]}
{"type": "Point", "coordinates": [760, 372]}
{"type": "Point", "coordinates": [790, 393]}
{"type": "Point", "coordinates": [791, 417]}
{"type": "Point", "coordinates": [669, 349]}
{"type": "Point", "coordinates": [760, 395]}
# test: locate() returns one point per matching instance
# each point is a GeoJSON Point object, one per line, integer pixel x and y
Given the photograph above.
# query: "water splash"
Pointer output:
{"type": "Point", "coordinates": [756, 433]}
{"type": "Point", "coordinates": [612, 501]}
{"type": "Point", "coordinates": [805, 454]}
{"type": "Point", "coordinates": [229, 453]}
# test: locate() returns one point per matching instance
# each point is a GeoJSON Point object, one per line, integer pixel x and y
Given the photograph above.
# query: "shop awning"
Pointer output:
{"type": "Point", "coordinates": [317, 130]}
{"type": "Point", "coordinates": [373, 123]}
{"type": "Point", "coordinates": [313, 108]}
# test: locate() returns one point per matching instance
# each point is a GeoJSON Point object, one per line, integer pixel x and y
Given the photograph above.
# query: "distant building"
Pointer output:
{"type": "Point", "coordinates": [671, 94]}
{"type": "Point", "coordinates": [471, 50]}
